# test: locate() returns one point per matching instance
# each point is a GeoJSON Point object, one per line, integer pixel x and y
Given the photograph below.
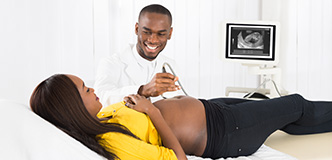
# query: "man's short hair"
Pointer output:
{"type": "Point", "coordinates": [156, 8]}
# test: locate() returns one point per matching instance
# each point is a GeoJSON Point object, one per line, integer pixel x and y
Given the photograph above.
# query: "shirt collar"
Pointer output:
{"type": "Point", "coordinates": [141, 61]}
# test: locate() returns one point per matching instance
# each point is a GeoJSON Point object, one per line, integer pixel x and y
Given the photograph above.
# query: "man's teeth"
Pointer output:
{"type": "Point", "coordinates": [150, 47]}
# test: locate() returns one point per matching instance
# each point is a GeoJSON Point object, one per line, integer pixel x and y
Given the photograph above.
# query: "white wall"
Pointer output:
{"type": "Point", "coordinates": [39, 38]}
{"type": "Point", "coordinates": [306, 57]}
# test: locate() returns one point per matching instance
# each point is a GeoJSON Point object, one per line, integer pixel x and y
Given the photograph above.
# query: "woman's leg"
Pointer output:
{"type": "Point", "coordinates": [316, 118]}
{"type": "Point", "coordinates": [254, 121]}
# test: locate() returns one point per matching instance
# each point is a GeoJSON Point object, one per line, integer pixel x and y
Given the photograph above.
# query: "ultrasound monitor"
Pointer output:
{"type": "Point", "coordinates": [252, 43]}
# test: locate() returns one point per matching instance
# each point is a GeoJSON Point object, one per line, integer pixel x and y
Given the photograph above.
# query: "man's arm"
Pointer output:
{"type": "Point", "coordinates": [111, 84]}
{"type": "Point", "coordinates": [160, 83]}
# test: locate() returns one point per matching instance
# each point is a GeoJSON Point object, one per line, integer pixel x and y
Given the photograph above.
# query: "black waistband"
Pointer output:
{"type": "Point", "coordinates": [215, 125]}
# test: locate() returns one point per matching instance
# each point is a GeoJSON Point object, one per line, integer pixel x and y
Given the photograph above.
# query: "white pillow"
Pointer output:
{"type": "Point", "coordinates": [25, 135]}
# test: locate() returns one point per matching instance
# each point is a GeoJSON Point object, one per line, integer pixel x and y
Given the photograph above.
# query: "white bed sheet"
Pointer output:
{"type": "Point", "coordinates": [24, 135]}
{"type": "Point", "coordinates": [263, 153]}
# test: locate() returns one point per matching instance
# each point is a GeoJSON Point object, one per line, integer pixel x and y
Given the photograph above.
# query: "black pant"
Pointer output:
{"type": "Point", "coordinates": [247, 123]}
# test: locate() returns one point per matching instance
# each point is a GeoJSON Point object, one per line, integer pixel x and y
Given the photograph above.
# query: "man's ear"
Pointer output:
{"type": "Point", "coordinates": [170, 33]}
{"type": "Point", "coordinates": [136, 28]}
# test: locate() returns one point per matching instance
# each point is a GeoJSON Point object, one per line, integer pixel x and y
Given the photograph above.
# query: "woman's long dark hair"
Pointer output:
{"type": "Point", "coordinates": [58, 101]}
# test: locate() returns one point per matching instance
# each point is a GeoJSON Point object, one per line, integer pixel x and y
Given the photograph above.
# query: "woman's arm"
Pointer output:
{"type": "Point", "coordinates": [141, 104]}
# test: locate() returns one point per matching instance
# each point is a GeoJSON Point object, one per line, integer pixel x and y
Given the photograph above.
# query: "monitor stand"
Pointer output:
{"type": "Point", "coordinates": [270, 82]}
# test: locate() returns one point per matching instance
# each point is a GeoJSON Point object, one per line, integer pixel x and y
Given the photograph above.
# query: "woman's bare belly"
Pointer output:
{"type": "Point", "coordinates": [186, 118]}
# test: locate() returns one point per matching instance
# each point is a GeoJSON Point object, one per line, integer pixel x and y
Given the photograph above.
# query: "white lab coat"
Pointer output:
{"type": "Point", "coordinates": [120, 75]}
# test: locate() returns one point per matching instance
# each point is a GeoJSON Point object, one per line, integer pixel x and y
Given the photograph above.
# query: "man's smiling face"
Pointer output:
{"type": "Point", "coordinates": [153, 30]}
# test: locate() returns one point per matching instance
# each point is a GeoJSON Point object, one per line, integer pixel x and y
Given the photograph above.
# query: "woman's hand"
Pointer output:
{"type": "Point", "coordinates": [138, 103]}
{"type": "Point", "coordinates": [141, 104]}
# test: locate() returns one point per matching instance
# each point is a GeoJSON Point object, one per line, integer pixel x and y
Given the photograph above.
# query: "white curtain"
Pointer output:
{"type": "Point", "coordinates": [39, 38]}
{"type": "Point", "coordinates": [306, 57]}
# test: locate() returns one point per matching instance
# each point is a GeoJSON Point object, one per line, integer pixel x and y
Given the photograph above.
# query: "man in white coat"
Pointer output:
{"type": "Point", "coordinates": [138, 68]}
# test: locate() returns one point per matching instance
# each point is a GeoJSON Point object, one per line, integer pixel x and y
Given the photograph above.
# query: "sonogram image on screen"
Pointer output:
{"type": "Point", "coordinates": [251, 42]}
{"type": "Point", "coordinates": [250, 39]}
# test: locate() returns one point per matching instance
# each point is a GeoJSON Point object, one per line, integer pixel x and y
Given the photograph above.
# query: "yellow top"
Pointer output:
{"type": "Point", "coordinates": [127, 147]}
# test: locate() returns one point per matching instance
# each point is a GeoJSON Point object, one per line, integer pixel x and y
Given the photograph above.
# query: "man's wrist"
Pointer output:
{"type": "Point", "coordinates": [140, 90]}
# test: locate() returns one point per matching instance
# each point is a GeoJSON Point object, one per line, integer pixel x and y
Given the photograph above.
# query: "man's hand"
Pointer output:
{"type": "Point", "coordinates": [160, 83]}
